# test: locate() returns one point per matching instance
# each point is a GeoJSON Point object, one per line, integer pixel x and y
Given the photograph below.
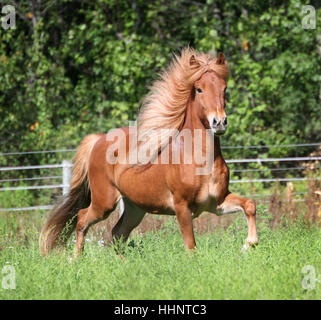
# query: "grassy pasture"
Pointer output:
{"type": "Point", "coordinates": [155, 266]}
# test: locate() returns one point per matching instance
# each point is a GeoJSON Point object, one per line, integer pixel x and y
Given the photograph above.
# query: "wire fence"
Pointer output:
{"type": "Point", "coordinates": [222, 147]}
{"type": "Point", "coordinates": [66, 167]}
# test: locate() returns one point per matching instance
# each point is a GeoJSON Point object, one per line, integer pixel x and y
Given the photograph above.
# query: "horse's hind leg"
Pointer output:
{"type": "Point", "coordinates": [103, 202]}
{"type": "Point", "coordinates": [130, 219]}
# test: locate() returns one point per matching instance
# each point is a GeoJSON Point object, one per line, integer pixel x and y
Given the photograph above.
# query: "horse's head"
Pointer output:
{"type": "Point", "coordinates": [209, 98]}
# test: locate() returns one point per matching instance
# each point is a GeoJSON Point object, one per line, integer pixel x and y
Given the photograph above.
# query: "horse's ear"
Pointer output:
{"type": "Point", "coordinates": [193, 62]}
{"type": "Point", "coordinates": [220, 59]}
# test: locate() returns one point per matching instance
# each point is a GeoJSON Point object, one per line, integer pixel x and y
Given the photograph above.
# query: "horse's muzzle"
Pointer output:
{"type": "Point", "coordinates": [219, 126]}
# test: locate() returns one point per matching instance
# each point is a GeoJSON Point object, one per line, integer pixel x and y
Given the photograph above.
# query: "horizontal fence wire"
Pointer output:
{"type": "Point", "coordinates": [51, 186]}
{"type": "Point", "coordinates": [260, 160]}
{"type": "Point", "coordinates": [49, 207]}
{"type": "Point", "coordinates": [231, 181]}
{"type": "Point", "coordinates": [312, 144]}
{"type": "Point", "coordinates": [69, 165]}
{"type": "Point", "coordinates": [272, 169]}
{"type": "Point", "coordinates": [31, 179]}
{"type": "Point", "coordinates": [257, 160]}
{"type": "Point", "coordinates": [274, 180]}
{"type": "Point", "coordinates": [274, 146]}
{"type": "Point", "coordinates": [34, 152]}
{"type": "Point", "coordinates": [45, 166]}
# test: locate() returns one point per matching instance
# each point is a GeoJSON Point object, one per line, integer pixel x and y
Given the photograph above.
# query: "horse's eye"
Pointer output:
{"type": "Point", "coordinates": [199, 90]}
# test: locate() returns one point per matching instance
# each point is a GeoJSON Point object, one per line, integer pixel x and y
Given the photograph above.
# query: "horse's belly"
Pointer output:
{"type": "Point", "coordinates": [148, 190]}
{"type": "Point", "coordinates": [160, 203]}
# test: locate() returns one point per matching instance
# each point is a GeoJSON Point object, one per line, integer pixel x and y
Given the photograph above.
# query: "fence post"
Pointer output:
{"type": "Point", "coordinates": [66, 176]}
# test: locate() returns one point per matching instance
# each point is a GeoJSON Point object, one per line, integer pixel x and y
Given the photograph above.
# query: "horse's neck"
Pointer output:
{"type": "Point", "coordinates": [217, 147]}
{"type": "Point", "coordinates": [192, 121]}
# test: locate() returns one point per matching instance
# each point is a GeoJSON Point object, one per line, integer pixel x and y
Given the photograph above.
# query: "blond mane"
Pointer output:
{"type": "Point", "coordinates": [165, 105]}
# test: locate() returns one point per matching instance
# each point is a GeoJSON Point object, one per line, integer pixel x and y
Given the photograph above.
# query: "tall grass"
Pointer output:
{"type": "Point", "coordinates": [155, 265]}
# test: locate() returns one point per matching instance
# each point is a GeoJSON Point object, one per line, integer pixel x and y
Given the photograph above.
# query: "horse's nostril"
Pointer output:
{"type": "Point", "coordinates": [219, 122]}
{"type": "Point", "coordinates": [215, 122]}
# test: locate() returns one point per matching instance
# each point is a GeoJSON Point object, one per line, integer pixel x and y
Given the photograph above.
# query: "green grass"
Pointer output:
{"type": "Point", "coordinates": [157, 267]}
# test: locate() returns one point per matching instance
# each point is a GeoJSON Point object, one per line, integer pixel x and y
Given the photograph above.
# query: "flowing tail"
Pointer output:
{"type": "Point", "coordinates": [63, 218]}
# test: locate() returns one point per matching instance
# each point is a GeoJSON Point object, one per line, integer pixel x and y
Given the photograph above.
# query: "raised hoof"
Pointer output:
{"type": "Point", "coordinates": [248, 246]}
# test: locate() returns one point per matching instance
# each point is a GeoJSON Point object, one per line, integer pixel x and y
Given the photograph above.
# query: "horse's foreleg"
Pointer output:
{"type": "Point", "coordinates": [185, 221]}
{"type": "Point", "coordinates": [234, 203]}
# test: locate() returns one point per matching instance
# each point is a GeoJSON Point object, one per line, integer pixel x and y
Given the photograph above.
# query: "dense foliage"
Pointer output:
{"type": "Point", "coordinates": [71, 68]}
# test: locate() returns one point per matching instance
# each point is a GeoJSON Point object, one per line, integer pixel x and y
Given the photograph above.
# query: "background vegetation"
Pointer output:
{"type": "Point", "coordinates": [71, 68]}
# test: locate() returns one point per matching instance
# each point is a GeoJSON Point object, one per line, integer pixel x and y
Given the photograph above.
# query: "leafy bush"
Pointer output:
{"type": "Point", "coordinates": [70, 68]}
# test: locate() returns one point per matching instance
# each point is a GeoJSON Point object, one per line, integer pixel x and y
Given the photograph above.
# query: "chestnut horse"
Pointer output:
{"type": "Point", "coordinates": [190, 95]}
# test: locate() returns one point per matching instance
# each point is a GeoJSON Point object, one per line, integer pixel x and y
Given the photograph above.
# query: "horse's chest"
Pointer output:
{"type": "Point", "coordinates": [208, 196]}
